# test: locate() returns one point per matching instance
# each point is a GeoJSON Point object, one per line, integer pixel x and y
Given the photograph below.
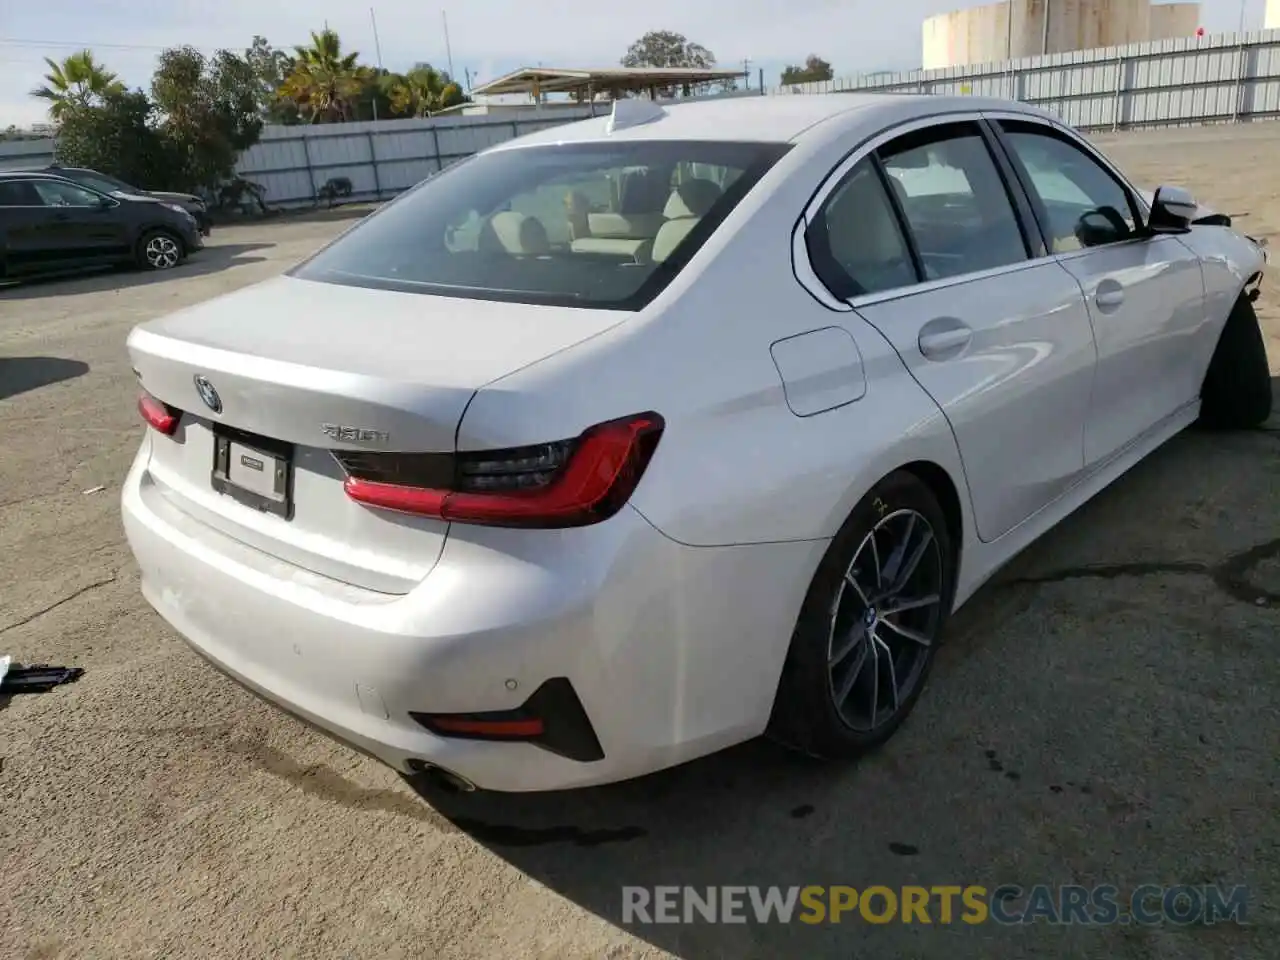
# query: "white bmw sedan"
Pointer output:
{"type": "Point", "coordinates": [635, 438]}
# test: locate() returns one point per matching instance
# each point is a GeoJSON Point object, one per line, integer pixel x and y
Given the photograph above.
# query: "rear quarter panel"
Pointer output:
{"type": "Point", "coordinates": [735, 464]}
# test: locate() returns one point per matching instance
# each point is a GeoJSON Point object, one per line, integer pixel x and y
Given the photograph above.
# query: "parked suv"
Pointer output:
{"type": "Point", "coordinates": [113, 186]}
{"type": "Point", "coordinates": [53, 225]}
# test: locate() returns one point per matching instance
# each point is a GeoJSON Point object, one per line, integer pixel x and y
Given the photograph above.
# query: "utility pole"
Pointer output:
{"type": "Point", "coordinates": [448, 50]}
{"type": "Point", "coordinates": [377, 46]}
{"type": "Point", "coordinates": [746, 71]}
{"type": "Point", "coordinates": [1044, 41]}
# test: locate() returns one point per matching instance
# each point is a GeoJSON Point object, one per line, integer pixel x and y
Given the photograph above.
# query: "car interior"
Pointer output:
{"type": "Point", "coordinates": [635, 216]}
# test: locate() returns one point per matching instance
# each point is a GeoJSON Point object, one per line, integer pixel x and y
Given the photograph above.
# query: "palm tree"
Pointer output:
{"type": "Point", "coordinates": [324, 82]}
{"type": "Point", "coordinates": [79, 81]}
{"type": "Point", "coordinates": [424, 90]}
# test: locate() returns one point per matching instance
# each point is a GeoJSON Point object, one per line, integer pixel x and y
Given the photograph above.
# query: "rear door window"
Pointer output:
{"type": "Point", "coordinates": [955, 202]}
{"type": "Point", "coordinates": [54, 193]}
{"type": "Point", "coordinates": [581, 224]}
{"type": "Point", "coordinates": [18, 193]}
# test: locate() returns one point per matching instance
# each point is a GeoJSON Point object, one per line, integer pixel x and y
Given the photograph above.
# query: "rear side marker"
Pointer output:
{"type": "Point", "coordinates": [552, 718]}
{"type": "Point", "coordinates": [566, 483]}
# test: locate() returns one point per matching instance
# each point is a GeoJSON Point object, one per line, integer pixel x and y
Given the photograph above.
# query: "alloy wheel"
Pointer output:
{"type": "Point", "coordinates": [885, 618]}
{"type": "Point", "coordinates": [162, 252]}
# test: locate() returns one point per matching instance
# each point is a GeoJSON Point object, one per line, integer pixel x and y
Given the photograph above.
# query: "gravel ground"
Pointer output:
{"type": "Point", "coordinates": [1105, 713]}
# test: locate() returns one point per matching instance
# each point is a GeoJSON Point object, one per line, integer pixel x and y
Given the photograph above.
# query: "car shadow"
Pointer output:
{"type": "Point", "coordinates": [21, 374]}
{"type": "Point", "coordinates": [212, 259]}
{"type": "Point", "coordinates": [977, 789]}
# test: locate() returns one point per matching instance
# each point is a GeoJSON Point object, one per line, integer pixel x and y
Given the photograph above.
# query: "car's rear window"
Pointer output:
{"type": "Point", "coordinates": [604, 225]}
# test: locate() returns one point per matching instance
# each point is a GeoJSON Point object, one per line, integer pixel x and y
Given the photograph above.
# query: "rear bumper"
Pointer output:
{"type": "Point", "coordinates": [673, 651]}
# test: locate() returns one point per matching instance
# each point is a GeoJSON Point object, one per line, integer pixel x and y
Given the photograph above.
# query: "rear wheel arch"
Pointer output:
{"type": "Point", "coordinates": [801, 716]}
{"type": "Point", "coordinates": [944, 488]}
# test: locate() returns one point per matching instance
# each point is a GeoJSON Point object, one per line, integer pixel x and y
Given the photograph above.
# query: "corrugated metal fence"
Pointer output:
{"type": "Point", "coordinates": [381, 157]}
{"type": "Point", "coordinates": [1222, 78]}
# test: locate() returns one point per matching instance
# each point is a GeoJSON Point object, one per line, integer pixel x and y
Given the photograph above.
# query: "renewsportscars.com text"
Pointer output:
{"type": "Point", "coordinates": [1007, 904]}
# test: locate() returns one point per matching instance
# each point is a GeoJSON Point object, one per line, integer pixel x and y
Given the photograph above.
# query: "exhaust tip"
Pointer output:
{"type": "Point", "coordinates": [446, 780]}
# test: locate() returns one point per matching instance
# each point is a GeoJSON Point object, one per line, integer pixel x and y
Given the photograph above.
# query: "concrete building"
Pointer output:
{"type": "Point", "coordinates": [1027, 28]}
{"type": "Point", "coordinates": [1273, 15]}
{"type": "Point", "coordinates": [1170, 21]}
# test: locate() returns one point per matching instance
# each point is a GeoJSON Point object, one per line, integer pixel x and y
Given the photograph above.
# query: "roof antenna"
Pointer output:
{"type": "Point", "coordinates": [633, 113]}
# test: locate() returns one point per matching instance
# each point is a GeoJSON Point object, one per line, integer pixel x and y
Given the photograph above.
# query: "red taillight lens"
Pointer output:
{"type": "Point", "coordinates": [160, 416]}
{"type": "Point", "coordinates": [564, 484]}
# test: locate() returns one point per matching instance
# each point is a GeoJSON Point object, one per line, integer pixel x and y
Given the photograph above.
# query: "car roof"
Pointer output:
{"type": "Point", "coordinates": [783, 118]}
{"type": "Point", "coordinates": [29, 175]}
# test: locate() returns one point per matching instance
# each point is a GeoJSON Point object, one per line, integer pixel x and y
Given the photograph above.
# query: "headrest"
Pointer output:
{"type": "Point", "coordinates": [513, 232]}
{"type": "Point", "coordinates": [693, 198]}
{"type": "Point", "coordinates": [643, 192]}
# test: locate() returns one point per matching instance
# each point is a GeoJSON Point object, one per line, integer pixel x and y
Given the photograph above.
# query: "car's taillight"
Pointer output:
{"type": "Point", "coordinates": [568, 483]}
{"type": "Point", "coordinates": [159, 415]}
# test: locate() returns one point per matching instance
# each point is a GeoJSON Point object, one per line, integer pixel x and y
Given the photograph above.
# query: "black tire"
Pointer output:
{"type": "Point", "coordinates": [1236, 394]}
{"type": "Point", "coordinates": [148, 259]}
{"type": "Point", "coordinates": [806, 715]}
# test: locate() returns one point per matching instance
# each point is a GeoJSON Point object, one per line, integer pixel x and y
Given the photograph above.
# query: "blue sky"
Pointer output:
{"type": "Point", "coordinates": [488, 37]}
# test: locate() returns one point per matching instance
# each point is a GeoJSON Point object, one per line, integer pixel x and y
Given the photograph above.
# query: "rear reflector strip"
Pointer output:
{"type": "Point", "coordinates": [158, 415]}
{"type": "Point", "coordinates": [519, 729]}
{"type": "Point", "coordinates": [552, 718]}
{"type": "Point", "coordinates": [567, 483]}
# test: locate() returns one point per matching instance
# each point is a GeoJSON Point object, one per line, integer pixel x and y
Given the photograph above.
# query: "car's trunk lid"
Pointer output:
{"type": "Point", "coordinates": [320, 367]}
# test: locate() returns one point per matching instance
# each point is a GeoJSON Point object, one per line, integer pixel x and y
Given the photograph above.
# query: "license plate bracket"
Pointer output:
{"type": "Point", "coordinates": [255, 471]}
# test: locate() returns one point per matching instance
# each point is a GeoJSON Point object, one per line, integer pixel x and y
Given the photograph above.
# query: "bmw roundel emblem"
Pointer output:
{"type": "Point", "coordinates": [208, 394]}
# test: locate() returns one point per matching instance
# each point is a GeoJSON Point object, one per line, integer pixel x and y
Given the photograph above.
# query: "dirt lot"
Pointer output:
{"type": "Point", "coordinates": [1104, 713]}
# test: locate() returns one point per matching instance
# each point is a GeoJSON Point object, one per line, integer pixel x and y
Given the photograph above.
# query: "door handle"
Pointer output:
{"type": "Point", "coordinates": [1109, 296]}
{"type": "Point", "coordinates": [62, 216]}
{"type": "Point", "coordinates": [942, 344]}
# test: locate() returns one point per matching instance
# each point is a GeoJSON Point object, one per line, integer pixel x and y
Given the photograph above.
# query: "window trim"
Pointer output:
{"type": "Point", "coordinates": [899, 214]}
{"type": "Point", "coordinates": [803, 267]}
{"type": "Point", "coordinates": [1138, 208]}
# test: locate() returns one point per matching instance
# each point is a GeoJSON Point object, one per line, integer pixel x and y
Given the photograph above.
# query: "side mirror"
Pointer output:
{"type": "Point", "coordinates": [105, 203]}
{"type": "Point", "coordinates": [1101, 226]}
{"type": "Point", "coordinates": [1172, 210]}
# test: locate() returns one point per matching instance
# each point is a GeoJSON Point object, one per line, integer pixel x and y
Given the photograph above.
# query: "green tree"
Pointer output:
{"type": "Point", "coordinates": [815, 69]}
{"type": "Point", "coordinates": [325, 83]}
{"type": "Point", "coordinates": [210, 111]}
{"type": "Point", "coordinates": [118, 136]}
{"type": "Point", "coordinates": [79, 80]}
{"type": "Point", "coordinates": [663, 48]}
{"type": "Point", "coordinates": [424, 90]}
{"type": "Point", "coordinates": [270, 69]}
